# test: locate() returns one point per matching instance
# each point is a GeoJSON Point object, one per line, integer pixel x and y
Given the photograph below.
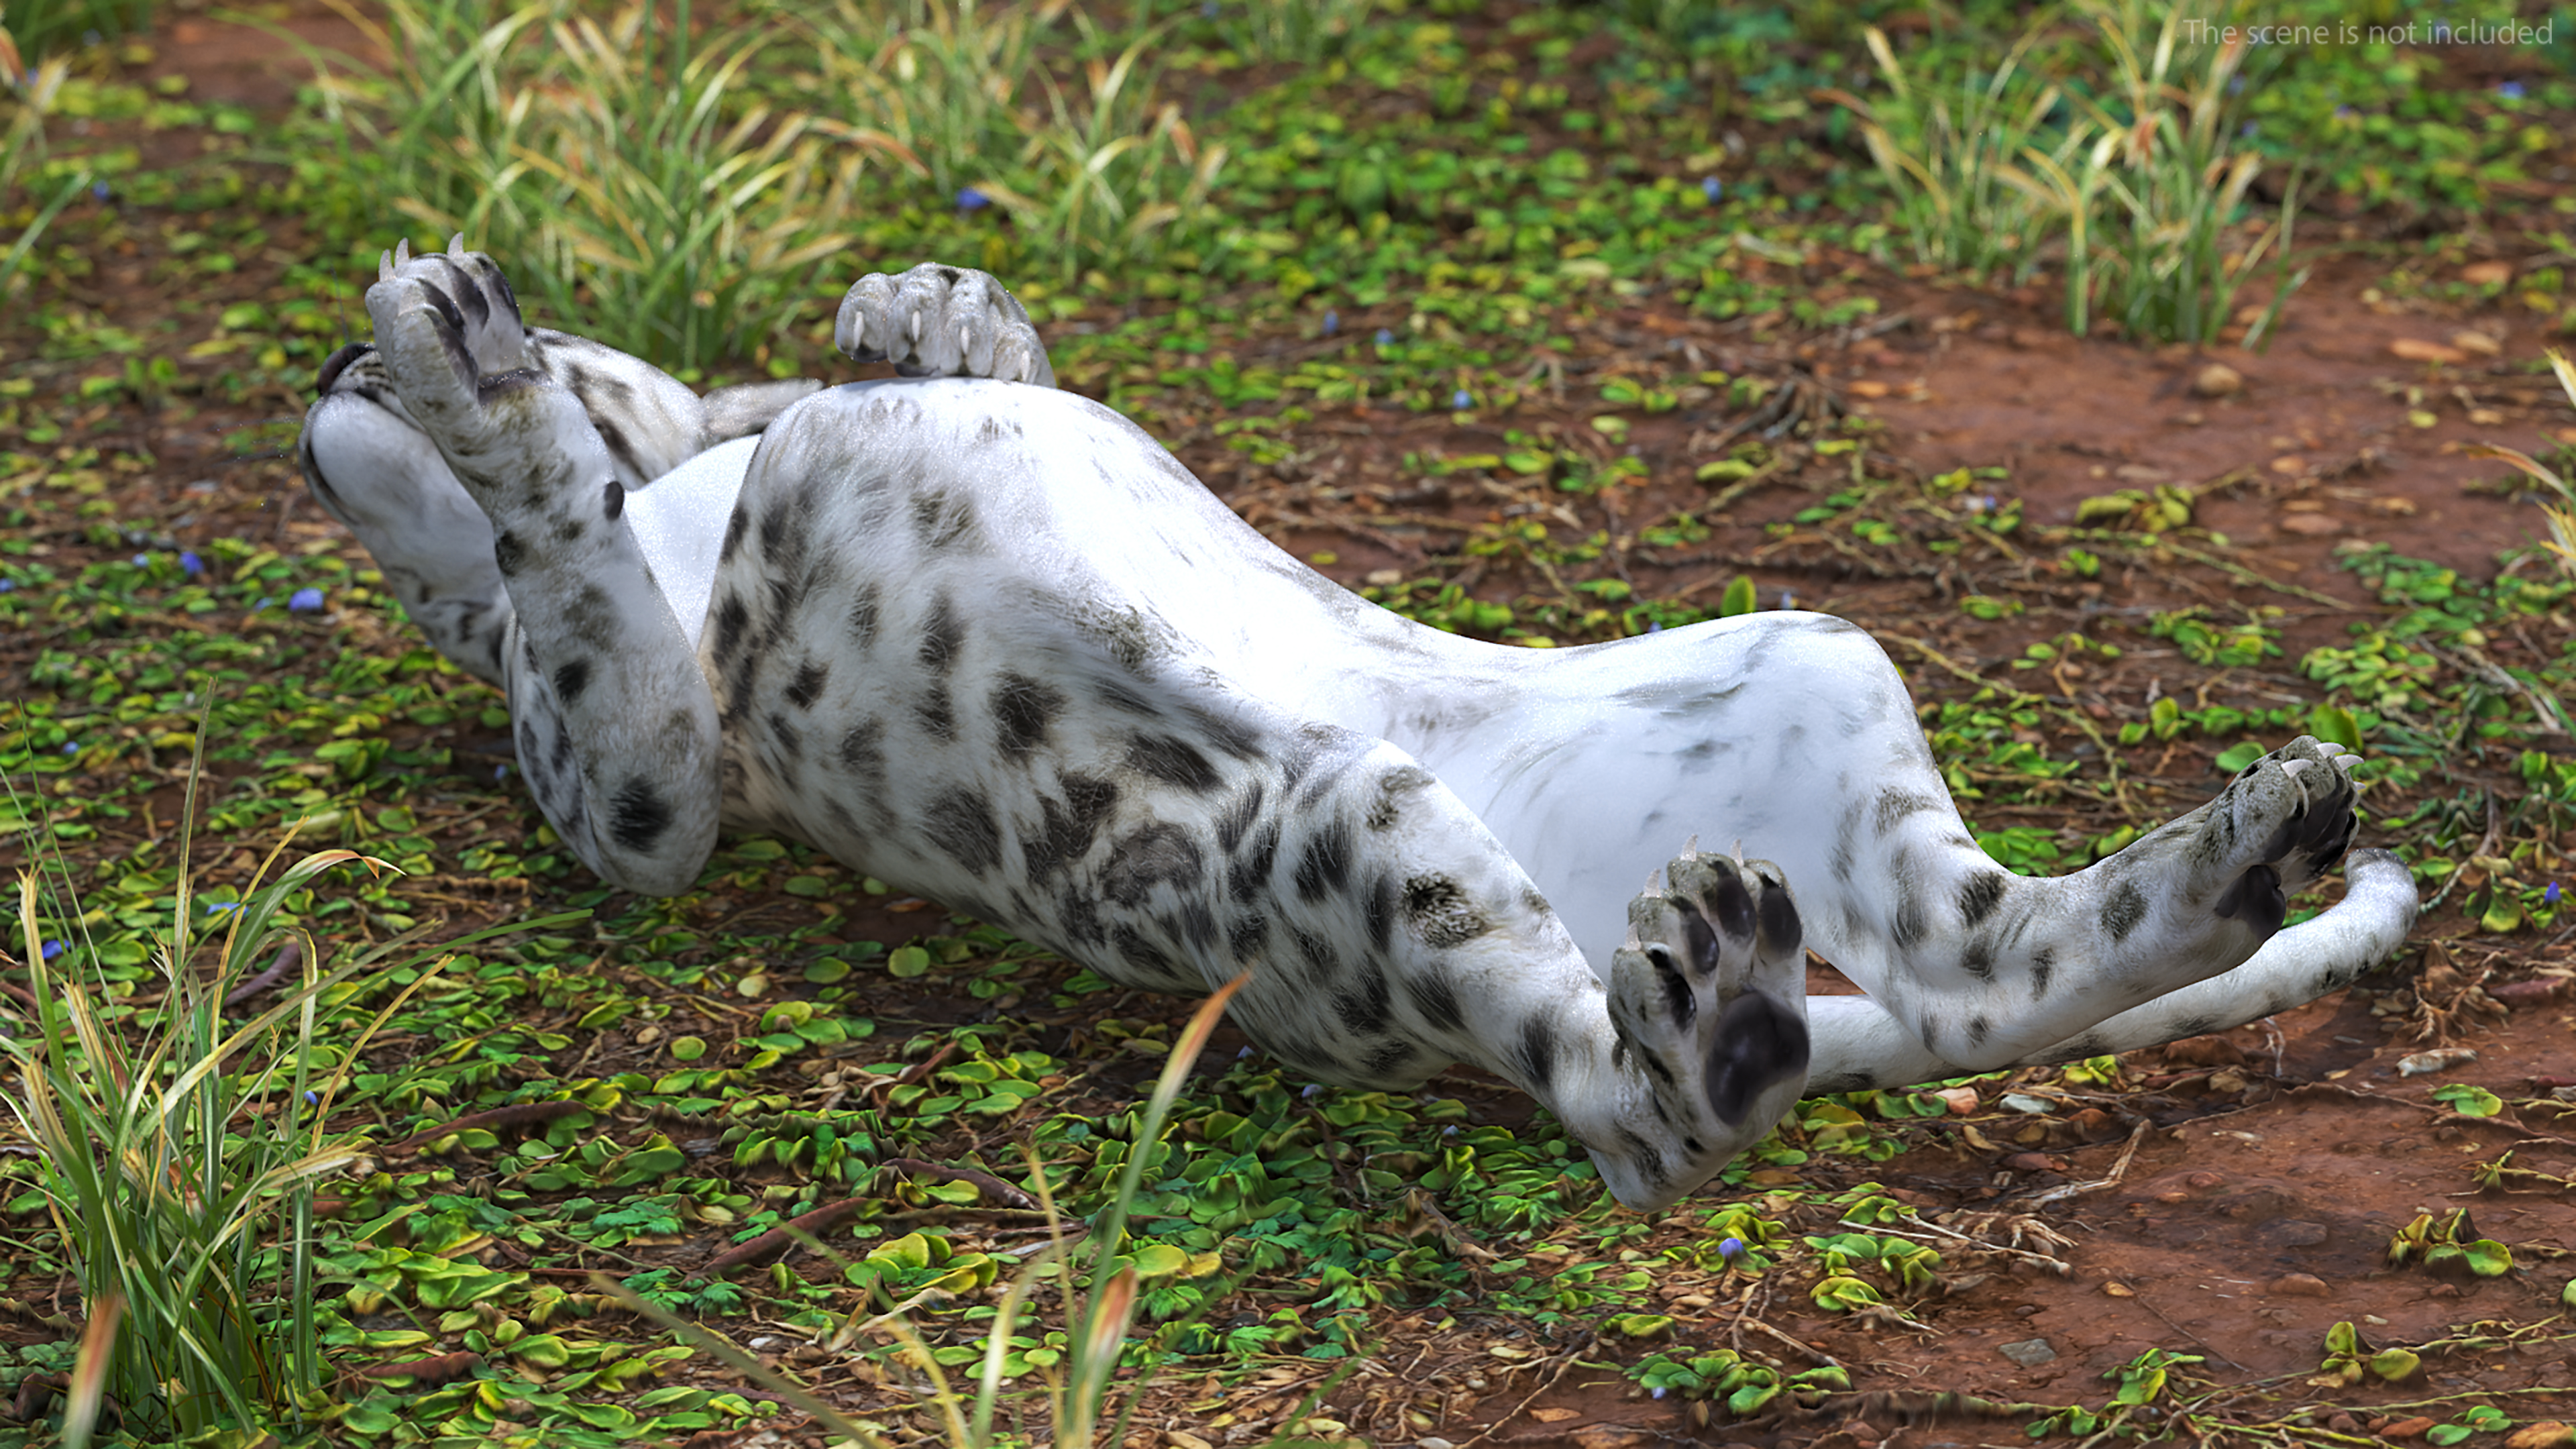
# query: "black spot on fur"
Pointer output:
{"type": "Point", "coordinates": [1172, 761]}
{"type": "Point", "coordinates": [612, 499]}
{"type": "Point", "coordinates": [1895, 805]}
{"type": "Point", "coordinates": [1440, 913]}
{"type": "Point", "coordinates": [1235, 822]}
{"type": "Point", "coordinates": [2043, 965]}
{"type": "Point", "coordinates": [807, 686]}
{"type": "Point", "coordinates": [1245, 938]}
{"type": "Point", "coordinates": [1363, 1007]}
{"type": "Point", "coordinates": [1977, 958]}
{"type": "Point", "coordinates": [862, 751]}
{"type": "Point", "coordinates": [2124, 910]}
{"type": "Point", "coordinates": [937, 713]}
{"type": "Point", "coordinates": [1160, 853]}
{"type": "Point", "coordinates": [1979, 896]}
{"type": "Point", "coordinates": [863, 616]}
{"type": "Point", "coordinates": [1392, 787]}
{"type": "Point", "coordinates": [1322, 966]}
{"type": "Point", "coordinates": [1023, 711]}
{"type": "Point", "coordinates": [508, 554]}
{"type": "Point", "coordinates": [619, 446]}
{"type": "Point", "coordinates": [1435, 999]}
{"type": "Point", "coordinates": [570, 679]}
{"type": "Point", "coordinates": [734, 527]}
{"type": "Point", "coordinates": [1536, 1053]}
{"type": "Point", "coordinates": [2193, 1026]}
{"type": "Point", "coordinates": [1249, 876]}
{"type": "Point", "coordinates": [960, 822]}
{"type": "Point", "coordinates": [1979, 1028]}
{"type": "Point", "coordinates": [732, 618]}
{"type": "Point", "coordinates": [789, 739]}
{"type": "Point", "coordinates": [1387, 1063]}
{"type": "Point", "coordinates": [1069, 825]}
{"type": "Point", "coordinates": [1325, 865]}
{"type": "Point", "coordinates": [1381, 912]}
{"type": "Point", "coordinates": [638, 815]}
{"type": "Point", "coordinates": [943, 636]}
{"type": "Point", "coordinates": [939, 520]}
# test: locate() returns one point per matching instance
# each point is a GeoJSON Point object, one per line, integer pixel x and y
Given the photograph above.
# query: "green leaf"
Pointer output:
{"type": "Point", "coordinates": [2395, 1365]}
{"type": "Point", "coordinates": [2467, 1100]}
{"type": "Point", "coordinates": [1738, 599]}
{"type": "Point", "coordinates": [2335, 725]}
{"type": "Point", "coordinates": [2489, 1258]}
{"type": "Point", "coordinates": [2237, 756]}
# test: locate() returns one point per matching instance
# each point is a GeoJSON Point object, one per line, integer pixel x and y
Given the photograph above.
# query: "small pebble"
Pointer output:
{"type": "Point", "coordinates": [2217, 380]}
{"type": "Point", "coordinates": [2301, 1285]}
{"type": "Point", "coordinates": [2029, 1353]}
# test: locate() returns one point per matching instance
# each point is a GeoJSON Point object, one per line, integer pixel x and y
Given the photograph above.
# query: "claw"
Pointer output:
{"type": "Point", "coordinates": [1690, 848]}
{"type": "Point", "coordinates": [1655, 881]}
{"type": "Point", "coordinates": [402, 252]}
{"type": "Point", "coordinates": [1739, 850]}
{"type": "Point", "coordinates": [384, 266]}
{"type": "Point", "coordinates": [456, 245]}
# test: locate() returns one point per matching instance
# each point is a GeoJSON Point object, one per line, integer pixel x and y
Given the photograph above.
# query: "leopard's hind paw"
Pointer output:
{"type": "Point", "coordinates": [941, 321]}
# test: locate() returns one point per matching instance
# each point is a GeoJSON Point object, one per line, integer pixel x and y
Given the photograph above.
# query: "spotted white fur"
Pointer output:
{"type": "Point", "coordinates": [989, 642]}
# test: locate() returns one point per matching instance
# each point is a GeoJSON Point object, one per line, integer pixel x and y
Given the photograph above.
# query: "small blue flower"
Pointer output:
{"type": "Point", "coordinates": [500, 772]}
{"type": "Point", "coordinates": [2510, 90]}
{"type": "Point", "coordinates": [264, 601]}
{"type": "Point", "coordinates": [312, 1099]}
{"type": "Point", "coordinates": [217, 908]}
{"type": "Point", "coordinates": [53, 949]}
{"type": "Point", "coordinates": [143, 560]}
{"type": "Point", "coordinates": [1654, 626]}
{"type": "Point", "coordinates": [190, 564]}
{"type": "Point", "coordinates": [1332, 321]}
{"type": "Point", "coordinates": [100, 190]}
{"type": "Point", "coordinates": [2246, 130]}
{"type": "Point", "coordinates": [1385, 338]}
{"type": "Point", "coordinates": [1713, 189]}
{"type": "Point", "coordinates": [1728, 1248]}
{"type": "Point", "coordinates": [8, 586]}
{"type": "Point", "coordinates": [2236, 85]}
{"type": "Point", "coordinates": [970, 199]}
{"type": "Point", "coordinates": [1449, 1131]}
{"type": "Point", "coordinates": [1459, 401]}
{"type": "Point", "coordinates": [1658, 1391]}
{"type": "Point", "coordinates": [1788, 598]}
{"type": "Point", "coordinates": [1311, 1090]}
{"type": "Point", "coordinates": [71, 747]}
{"type": "Point", "coordinates": [2549, 897]}
{"type": "Point", "coordinates": [304, 601]}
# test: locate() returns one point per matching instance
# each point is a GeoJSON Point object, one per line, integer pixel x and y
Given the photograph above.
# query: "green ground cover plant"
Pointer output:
{"type": "Point", "coordinates": [1241, 226]}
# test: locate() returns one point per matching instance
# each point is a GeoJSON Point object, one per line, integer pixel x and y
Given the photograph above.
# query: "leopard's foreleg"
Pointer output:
{"type": "Point", "coordinates": [616, 727]}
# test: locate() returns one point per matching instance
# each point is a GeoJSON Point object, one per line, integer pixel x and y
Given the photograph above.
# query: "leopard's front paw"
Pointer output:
{"type": "Point", "coordinates": [1709, 997]}
{"type": "Point", "coordinates": [2280, 824]}
{"type": "Point", "coordinates": [938, 321]}
{"type": "Point", "coordinates": [454, 306]}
